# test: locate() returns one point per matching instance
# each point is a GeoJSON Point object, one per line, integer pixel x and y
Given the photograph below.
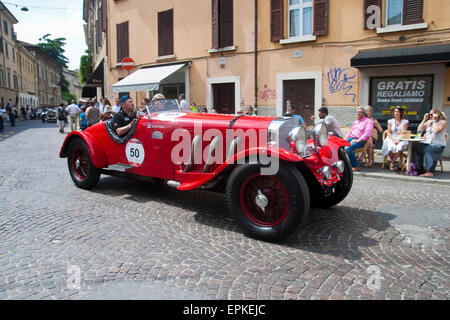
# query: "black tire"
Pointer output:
{"type": "Point", "coordinates": [320, 200]}
{"type": "Point", "coordinates": [81, 169]}
{"type": "Point", "coordinates": [288, 201]}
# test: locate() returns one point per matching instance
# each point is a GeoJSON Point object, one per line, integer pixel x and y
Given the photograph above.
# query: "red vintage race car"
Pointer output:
{"type": "Point", "coordinates": [270, 169]}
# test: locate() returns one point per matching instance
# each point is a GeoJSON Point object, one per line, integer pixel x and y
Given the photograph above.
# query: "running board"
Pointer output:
{"type": "Point", "coordinates": [118, 167]}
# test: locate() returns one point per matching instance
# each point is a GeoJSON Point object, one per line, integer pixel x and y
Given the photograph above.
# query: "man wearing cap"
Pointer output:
{"type": "Point", "coordinates": [124, 120]}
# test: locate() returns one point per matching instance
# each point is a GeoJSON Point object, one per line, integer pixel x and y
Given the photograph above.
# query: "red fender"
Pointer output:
{"type": "Point", "coordinates": [194, 180]}
{"type": "Point", "coordinates": [97, 154]}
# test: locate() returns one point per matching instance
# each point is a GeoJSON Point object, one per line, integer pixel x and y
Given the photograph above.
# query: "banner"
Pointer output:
{"type": "Point", "coordinates": [413, 93]}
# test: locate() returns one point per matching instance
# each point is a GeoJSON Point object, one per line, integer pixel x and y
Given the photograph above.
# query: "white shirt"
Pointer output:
{"type": "Point", "coordinates": [101, 107]}
{"type": "Point", "coordinates": [73, 109]}
{"type": "Point", "coordinates": [333, 125]}
{"type": "Point", "coordinates": [184, 105]}
{"type": "Point", "coordinates": [116, 109]}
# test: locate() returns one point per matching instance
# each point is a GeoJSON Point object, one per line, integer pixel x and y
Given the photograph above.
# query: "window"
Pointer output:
{"type": "Point", "coordinates": [165, 33]}
{"type": "Point", "coordinates": [222, 23]}
{"type": "Point", "coordinates": [14, 54]}
{"type": "Point", "coordinates": [16, 82]}
{"type": "Point", "coordinates": [9, 79]}
{"type": "Point", "coordinates": [5, 27]}
{"type": "Point", "coordinates": [306, 19]}
{"type": "Point", "coordinates": [394, 12]}
{"type": "Point", "coordinates": [1, 45]}
{"type": "Point", "coordinates": [6, 49]}
{"type": "Point", "coordinates": [2, 79]}
{"type": "Point", "coordinates": [122, 41]}
{"type": "Point", "coordinates": [300, 18]}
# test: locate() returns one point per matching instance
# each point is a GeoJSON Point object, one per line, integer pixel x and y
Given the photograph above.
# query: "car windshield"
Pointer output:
{"type": "Point", "coordinates": [162, 105]}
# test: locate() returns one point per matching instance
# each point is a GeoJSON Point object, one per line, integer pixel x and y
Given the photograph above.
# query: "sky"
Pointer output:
{"type": "Point", "coordinates": [60, 18]}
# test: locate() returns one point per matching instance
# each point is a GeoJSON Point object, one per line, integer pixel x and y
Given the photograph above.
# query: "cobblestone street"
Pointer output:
{"type": "Point", "coordinates": [133, 240]}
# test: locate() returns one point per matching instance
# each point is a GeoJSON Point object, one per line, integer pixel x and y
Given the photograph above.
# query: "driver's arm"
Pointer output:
{"type": "Point", "coordinates": [123, 130]}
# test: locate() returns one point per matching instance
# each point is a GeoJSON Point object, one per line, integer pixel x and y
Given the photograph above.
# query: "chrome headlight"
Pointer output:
{"type": "Point", "coordinates": [321, 134]}
{"type": "Point", "coordinates": [339, 165]}
{"type": "Point", "coordinates": [325, 172]}
{"type": "Point", "coordinates": [298, 137]}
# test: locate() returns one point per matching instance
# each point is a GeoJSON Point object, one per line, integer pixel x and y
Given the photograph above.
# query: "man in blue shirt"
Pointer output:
{"type": "Point", "coordinates": [291, 113]}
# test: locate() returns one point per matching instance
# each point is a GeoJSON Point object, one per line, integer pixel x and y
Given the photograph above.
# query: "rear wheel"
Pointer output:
{"type": "Point", "coordinates": [320, 199]}
{"type": "Point", "coordinates": [81, 169]}
{"type": "Point", "coordinates": [267, 207]}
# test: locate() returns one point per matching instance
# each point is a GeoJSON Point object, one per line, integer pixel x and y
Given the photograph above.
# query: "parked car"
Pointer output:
{"type": "Point", "coordinates": [48, 115]}
{"type": "Point", "coordinates": [271, 170]}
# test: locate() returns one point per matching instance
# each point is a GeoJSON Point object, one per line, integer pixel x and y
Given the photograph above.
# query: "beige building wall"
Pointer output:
{"type": "Point", "coordinates": [28, 78]}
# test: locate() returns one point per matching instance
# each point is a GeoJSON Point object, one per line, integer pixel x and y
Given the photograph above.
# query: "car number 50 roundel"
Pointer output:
{"type": "Point", "coordinates": [135, 152]}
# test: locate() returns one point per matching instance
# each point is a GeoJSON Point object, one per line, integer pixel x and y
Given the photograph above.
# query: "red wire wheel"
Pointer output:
{"type": "Point", "coordinates": [80, 163]}
{"type": "Point", "coordinates": [83, 173]}
{"type": "Point", "coordinates": [272, 193]}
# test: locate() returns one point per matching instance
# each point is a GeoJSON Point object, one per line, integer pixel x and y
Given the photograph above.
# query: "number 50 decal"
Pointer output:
{"type": "Point", "coordinates": [135, 152]}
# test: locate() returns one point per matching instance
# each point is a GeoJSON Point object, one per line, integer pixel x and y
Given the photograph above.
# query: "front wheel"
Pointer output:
{"type": "Point", "coordinates": [267, 207]}
{"type": "Point", "coordinates": [81, 169]}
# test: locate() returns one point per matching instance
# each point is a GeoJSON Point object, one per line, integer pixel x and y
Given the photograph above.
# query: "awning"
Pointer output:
{"type": "Point", "coordinates": [89, 92]}
{"type": "Point", "coordinates": [97, 77]}
{"type": "Point", "coordinates": [146, 79]}
{"type": "Point", "coordinates": [412, 55]}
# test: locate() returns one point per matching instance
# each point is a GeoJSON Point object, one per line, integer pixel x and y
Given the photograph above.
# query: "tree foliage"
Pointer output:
{"type": "Point", "coordinates": [85, 70]}
{"type": "Point", "coordinates": [68, 96]}
{"type": "Point", "coordinates": [54, 48]}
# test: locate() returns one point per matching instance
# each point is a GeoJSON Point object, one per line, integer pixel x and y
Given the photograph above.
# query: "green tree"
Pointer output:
{"type": "Point", "coordinates": [54, 48]}
{"type": "Point", "coordinates": [85, 70]}
{"type": "Point", "coordinates": [68, 96]}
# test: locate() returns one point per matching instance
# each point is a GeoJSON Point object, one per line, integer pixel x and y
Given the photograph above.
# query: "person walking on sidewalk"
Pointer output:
{"type": "Point", "coordinates": [11, 114]}
{"type": "Point", "coordinates": [61, 117]}
{"type": "Point", "coordinates": [358, 135]}
{"type": "Point", "coordinates": [2, 112]}
{"type": "Point", "coordinates": [74, 112]}
{"type": "Point", "coordinates": [92, 115]}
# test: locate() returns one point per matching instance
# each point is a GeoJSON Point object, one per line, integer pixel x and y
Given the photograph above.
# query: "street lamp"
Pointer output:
{"type": "Point", "coordinates": [24, 9]}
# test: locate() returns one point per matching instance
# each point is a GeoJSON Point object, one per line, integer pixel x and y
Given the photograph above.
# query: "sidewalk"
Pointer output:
{"type": "Point", "coordinates": [377, 171]}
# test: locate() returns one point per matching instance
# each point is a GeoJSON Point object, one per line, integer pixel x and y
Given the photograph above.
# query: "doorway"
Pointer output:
{"type": "Point", "coordinates": [223, 98]}
{"type": "Point", "coordinates": [300, 93]}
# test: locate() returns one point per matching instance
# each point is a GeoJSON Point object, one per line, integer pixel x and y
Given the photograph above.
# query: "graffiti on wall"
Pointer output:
{"type": "Point", "coordinates": [267, 94]}
{"type": "Point", "coordinates": [341, 80]}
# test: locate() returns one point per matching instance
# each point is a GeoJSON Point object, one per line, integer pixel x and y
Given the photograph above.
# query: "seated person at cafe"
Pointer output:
{"type": "Point", "coordinates": [330, 121]}
{"type": "Point", "coordinates": [358, 135]}
{"type": "Point", "coordinates": [124, 120]}
{"type": "Point", "coordinates": [426, 155]}
{"type": "Point", "coordinates": [392, 145]}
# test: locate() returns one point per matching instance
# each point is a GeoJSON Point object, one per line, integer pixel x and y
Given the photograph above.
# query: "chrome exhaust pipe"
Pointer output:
{"type": "Point", "coordinates": [233, 145]}
{"type": "Point", "coordinates": [212, 148]}
{"type": "Point", "coordinates": [194, 146]}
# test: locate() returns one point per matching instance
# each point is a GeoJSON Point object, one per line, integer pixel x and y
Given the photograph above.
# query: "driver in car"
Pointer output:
{"type": "Point", "coordinates": [124, 120]}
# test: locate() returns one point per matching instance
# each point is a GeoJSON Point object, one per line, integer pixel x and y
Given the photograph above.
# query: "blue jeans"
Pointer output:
{"type": "Point", "coordinates": [12, 119]}
{"type": "Point", "coordinates": [351, 151]}
{"type": "Point", "coordinates": [426, 156]}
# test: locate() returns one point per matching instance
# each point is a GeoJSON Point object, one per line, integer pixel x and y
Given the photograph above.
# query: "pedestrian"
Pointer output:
{"type": "Point", "coordinates": [116, 107]}
{"type": "Point", "coordinates": [61, 117]}
{"type": "Point", "coordinates": [23, 112]}
{"type": "Point", "coordinates": [249, 111]}
{"type": "Point", "coordinates": [184, 105]}
{"type": "Point", "coordinates": [83, 120]}
{"type": "Point", "coordinates": [330, 121]}
{"type": "Point", "coordinates": [193, 107]}
{"type": "Point", "coordinates": [93, 115]}
{"type": "Point", "coordinates": [358, 136]}
{"type": "Point", "coordinates": [426, 155]}
{"type": "Point", "coordinates": [101, 105]}
{"type": "Point", "coordinates": [124, 120]}
{"type": "Point", "coordinates": [11, 114]}
{"type": "Point", "coordinates": [240, 111]}
{"type": "Point", "coordinates": [74, 113]}
{"type": "Point", "coordinates": [291, 113]}
{"type": "Point", "coordinates": [2, 114]}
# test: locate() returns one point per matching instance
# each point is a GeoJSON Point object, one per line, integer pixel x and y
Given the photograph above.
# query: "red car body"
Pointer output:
{"type": "Point", "coordinates": [149, 153]}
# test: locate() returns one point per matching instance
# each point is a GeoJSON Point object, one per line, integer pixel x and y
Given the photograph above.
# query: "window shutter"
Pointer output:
{"type": "Point", "coordinates": [165, 33]}
{"type": "Point", "coordinates": [225, 23]}
{"type": "Point", "coordinates": [321, 8]}
{"type": "Point", "coordinates": [104, 16]}
{"type": "Point", "coordinates": [367, 4]}
{"type": "Point", "coordinates": [276, 20]}
{"type": "Point", "coordinates": [215, 23]}
{"type": "Point", "coordinates": [122, 41]}
{"type": "Point", "coordinates": [412, 11]}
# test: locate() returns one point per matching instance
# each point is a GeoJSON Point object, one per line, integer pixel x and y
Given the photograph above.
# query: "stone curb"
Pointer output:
{"type": "Point", "coordinates": [403, 177]}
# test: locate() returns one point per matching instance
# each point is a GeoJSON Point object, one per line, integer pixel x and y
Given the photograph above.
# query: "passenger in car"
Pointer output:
{"type": "Point", "coordinates": [124, 120]}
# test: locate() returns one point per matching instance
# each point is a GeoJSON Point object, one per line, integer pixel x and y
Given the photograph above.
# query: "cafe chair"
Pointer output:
{"type": "Point", "coordinates": [440, 160]}
{"type": "Point", "coordinates": [363, 151]}
{"type": "Point", "coordinates": [344, 131]}
{"type": "Point", "coordinates": [403, 155]}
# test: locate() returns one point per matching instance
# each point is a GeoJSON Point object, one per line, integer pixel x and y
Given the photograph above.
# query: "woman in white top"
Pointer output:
{"type": "Point", "coordinates": [426, 155]}
{"type": "Point", "coordinates": [392, 145]}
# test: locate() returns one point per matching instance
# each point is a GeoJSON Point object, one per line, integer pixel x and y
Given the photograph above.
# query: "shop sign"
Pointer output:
{"type": "Point", "coordinates": [413, 93]}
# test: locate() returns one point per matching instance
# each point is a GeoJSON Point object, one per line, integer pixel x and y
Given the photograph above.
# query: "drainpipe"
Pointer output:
{"type": "Point", "coordinates": [256, 57]}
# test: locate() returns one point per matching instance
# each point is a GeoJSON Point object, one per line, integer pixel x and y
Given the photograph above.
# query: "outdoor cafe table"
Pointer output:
{"type": "Point", "coordinates": [410, 146]}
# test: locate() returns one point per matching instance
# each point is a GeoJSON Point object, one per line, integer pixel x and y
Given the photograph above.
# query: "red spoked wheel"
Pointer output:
{"type": "Point", "coordinates": [267, 207]}
{"type": "Point", "coordinates": [264, 200]}
{"type": "Point", "coordinates": [83, 173]}
{"type": "Point", "coordinates": [80, 163]}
